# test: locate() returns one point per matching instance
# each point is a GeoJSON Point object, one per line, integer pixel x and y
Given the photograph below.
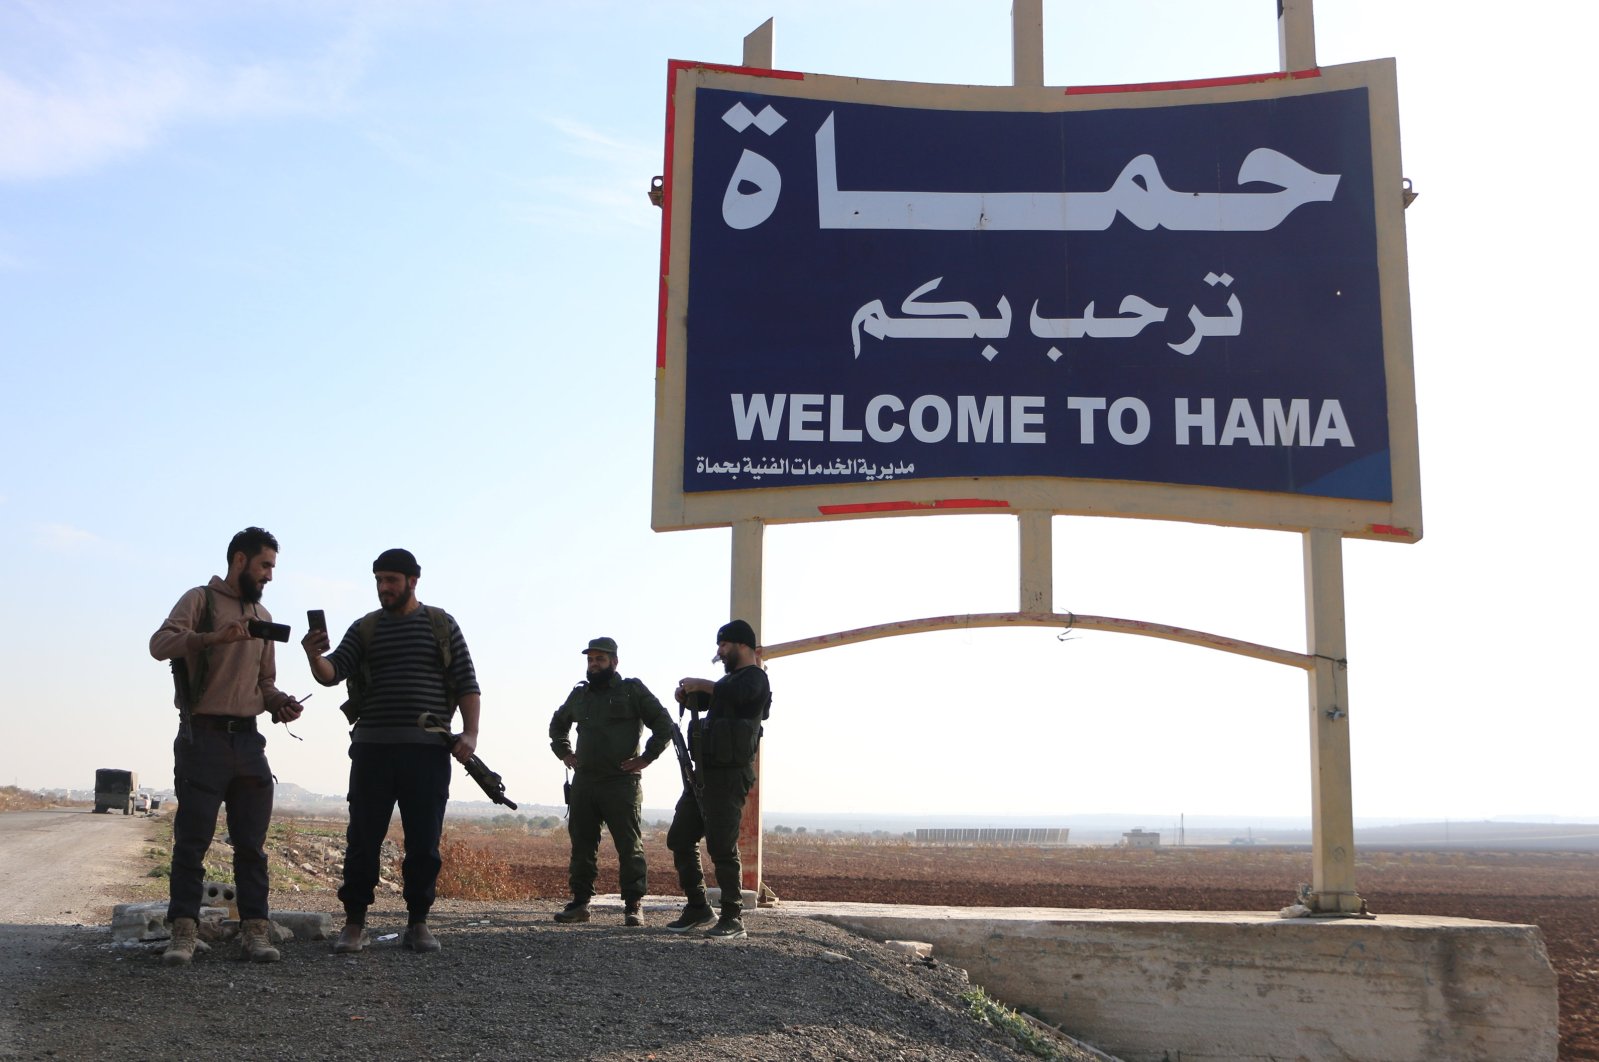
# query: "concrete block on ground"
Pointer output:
{"type": "Point", "coordinates": [215, 925]}
{"type": "Point", "coordinates": [1209, 986]}
{"type": "Point", "coordinates": [221, 895]}
{"type": "Point", "coordinates": [140, 921]}
{"type": "Point", "coordinates": [305, 925]}
{"type": "Point", "coordinates": [747, 897]}
{"type": "Point", "coordinates": [911, 949]}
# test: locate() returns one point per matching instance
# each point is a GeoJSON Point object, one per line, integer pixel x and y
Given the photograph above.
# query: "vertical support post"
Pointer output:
{"type": "Point", "coordinates": [1037, 563]}
{"type": "Point", "coordinates": [1027, 43]}
{"type": "Point", "coordinates": [758, 47]}
{"type": "Point", "coordinates": [1296, 35]}
{"type": "Point", "coordinates": [747, 583]}
{"type": "Point", "coordinates": [1332, 805]}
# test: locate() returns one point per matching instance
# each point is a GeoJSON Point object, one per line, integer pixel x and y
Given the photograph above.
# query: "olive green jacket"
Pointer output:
{"type": "Point", "coordinates": [609, 720]}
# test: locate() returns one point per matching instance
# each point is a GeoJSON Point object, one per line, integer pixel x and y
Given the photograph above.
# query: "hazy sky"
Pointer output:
{"type": "Point", "coordinates": [384, 273]}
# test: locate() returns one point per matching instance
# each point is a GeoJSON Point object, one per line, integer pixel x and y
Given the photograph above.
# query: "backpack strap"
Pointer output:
{"type": "Point", "coordinates": [201, 671]}
{"type": "Point", "coordinates": [441, 623]}
{"type": "Point", "coordinates": [360, 680]}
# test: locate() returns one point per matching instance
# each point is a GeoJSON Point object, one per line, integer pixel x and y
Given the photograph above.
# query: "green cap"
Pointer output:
{"type": "Point", "coordinates": [601, 645]}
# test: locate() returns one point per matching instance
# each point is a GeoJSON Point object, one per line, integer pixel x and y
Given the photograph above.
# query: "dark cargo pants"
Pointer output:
{"type": "Point", "coordinates": [220, 767]}
{"type": "Point", "coordinates": [723, 795]}
{"type": "Point", "coordinates": [417, 777]}
{"type": "Point", "coordinates": [618, 803]}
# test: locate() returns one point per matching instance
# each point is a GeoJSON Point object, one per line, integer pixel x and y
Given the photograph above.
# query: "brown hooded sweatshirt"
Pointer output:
{"type": "Point", "coordinates": [243, 675]}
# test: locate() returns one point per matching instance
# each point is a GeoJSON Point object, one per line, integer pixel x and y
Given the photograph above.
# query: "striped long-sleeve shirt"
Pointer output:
{"type": "Point", "coordinates": [407, 676]}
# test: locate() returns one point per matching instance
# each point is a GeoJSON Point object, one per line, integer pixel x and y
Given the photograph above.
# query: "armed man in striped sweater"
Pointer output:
{"type": "Point", "coordinates": [400, 661]}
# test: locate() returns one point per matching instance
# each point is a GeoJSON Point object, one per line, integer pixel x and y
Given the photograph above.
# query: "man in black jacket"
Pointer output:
{"type": "Point", "coordinates": [724, 746]}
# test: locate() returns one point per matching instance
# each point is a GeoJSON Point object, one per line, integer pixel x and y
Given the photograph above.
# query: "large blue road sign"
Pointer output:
{"type": "Point", "coordinates": [1185, 293]}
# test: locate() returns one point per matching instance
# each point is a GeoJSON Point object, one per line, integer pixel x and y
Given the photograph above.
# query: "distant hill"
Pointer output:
{"type": "Point", "coordinates": [1561, 836]}
{"type": "Point", "coordinates": [289, 795]}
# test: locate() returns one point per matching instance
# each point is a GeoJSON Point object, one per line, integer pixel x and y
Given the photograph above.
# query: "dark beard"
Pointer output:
{"type": "Point", "coordinates": [728, 665]}
{"type": "Point", "coordinates": [401, 603]}
{"type": "Point", "coordinates": [249, 589]}
{"type": "Point", "coordinates": [602, 678]}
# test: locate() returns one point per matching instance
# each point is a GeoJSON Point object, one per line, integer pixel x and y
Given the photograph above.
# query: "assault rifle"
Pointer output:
{"type": "Point", "coordinates": [487, 780]}
{"type": "Point", "coordinates": [685, 764]}
{"type": "Point", "coordinates": [695, 703]}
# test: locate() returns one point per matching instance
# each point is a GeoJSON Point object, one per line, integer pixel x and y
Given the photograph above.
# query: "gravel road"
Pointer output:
{"type": "Point", "coordinates": [510, 983]}
{"type": "Point", "coordinates": [66, 865]}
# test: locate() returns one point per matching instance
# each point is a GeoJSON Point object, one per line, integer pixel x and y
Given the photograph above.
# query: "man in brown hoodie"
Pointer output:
{"type": "Point", "coordinates": [222, 756]}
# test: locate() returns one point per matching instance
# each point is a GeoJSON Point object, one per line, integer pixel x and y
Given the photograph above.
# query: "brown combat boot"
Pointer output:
{"type": "Point", "coordinates": [419, 938]}
{"type": "Point", "coordinates": [352, 938]}
{"type": "Point", "coordinates": [255, 940]}
{"type": "Point", "coordinates": [185, 935]}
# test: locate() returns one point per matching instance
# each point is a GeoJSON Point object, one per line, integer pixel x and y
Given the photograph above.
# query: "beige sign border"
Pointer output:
{"type": "Point", "coordinates": [1400, 520]}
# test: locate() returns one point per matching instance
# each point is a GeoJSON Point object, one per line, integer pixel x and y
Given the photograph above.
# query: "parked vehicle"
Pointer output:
{"type": "Point", "coordinates": [114, 789]}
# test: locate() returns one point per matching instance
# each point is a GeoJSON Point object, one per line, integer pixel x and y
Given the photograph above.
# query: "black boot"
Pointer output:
{"type": "Point", "coordinates": [693, 915]}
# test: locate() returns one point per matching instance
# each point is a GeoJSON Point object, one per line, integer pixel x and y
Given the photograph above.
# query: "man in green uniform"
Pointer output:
{"type": "Point", "coordinates": [610, 712]}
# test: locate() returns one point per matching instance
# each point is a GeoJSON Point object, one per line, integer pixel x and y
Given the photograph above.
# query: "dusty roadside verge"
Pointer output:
{"type": "Point", "coordinates": [509, 983]}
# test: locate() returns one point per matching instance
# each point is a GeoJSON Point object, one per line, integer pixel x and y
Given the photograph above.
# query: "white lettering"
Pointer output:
{"type": "Point", "coordinates": [804, 410]}
{"type": "Point", "coordinates": [836, 432]}
{"type": "Point", "coordinates": [1026, 412]}
{"type": "Point", "coordinates": [1020, 419]}
{"type": "Point", "coordinates": [1204, 420]}
{"type": "Point", "coordinates": [1240, 424]}
{"type": "Point", "coordinates": [874, 423]}
{"type": "Point", "coordinates": [917, 419]}
{"type": "Point", "coordinates": [1291, 428]}
{"type": "Point", "coordinates": [1114, 420]}
{"type": "Point", "coordinates": [1085, 408]}
{"type": "Point", "coordinates": [770, 415]}
{"type": "Point", "coordinates": [1330, 424]}
{"type": "Point", "coordinates": [975, 425]}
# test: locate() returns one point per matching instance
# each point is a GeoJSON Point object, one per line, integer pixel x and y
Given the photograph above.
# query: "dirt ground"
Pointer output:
{"type": "Point", "coordinates": [511, 980]}
{"type": "Point", "coordinates": [1556, 891]}
{"type": "Point", "coordinates": [509, 983]}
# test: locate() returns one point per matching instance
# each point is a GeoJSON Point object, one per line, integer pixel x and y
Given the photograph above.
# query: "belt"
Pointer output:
{"type": "Point", "coordinates": [231, 723]}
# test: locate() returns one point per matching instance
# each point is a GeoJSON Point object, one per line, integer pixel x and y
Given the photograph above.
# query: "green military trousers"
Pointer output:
{"type": "Point", "coordinates": [716, 817]}
{"type": "Point", "coordinates": [617, 802]}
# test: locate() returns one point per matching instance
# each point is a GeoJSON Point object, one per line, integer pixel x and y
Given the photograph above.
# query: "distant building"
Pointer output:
{"type": "Point", "coordinates": [994, 835]}
{"type": "Point", "coordinates": [1141, 839]}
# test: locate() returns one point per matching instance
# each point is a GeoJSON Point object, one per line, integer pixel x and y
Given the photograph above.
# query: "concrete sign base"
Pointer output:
{"type": "Point", "coordinates": [1205, 985]}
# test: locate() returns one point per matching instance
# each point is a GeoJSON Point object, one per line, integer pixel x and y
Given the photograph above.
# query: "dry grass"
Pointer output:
{"type": "Point", "coordinates": [472, 872]}
{"type": "Point", "coordinates": [14, 799]}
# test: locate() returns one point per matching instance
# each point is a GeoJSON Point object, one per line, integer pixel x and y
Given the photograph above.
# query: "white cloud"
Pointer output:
{"type": "Point", "coordinates": [611, 188]}
{"type": "Point", "coordinates": [64, 537]}
{"type": "Point", "coordinates": [587, 142]}
{"type": "Point", "coordinates": [55, 131]}
{"type": "Point", "coordinates": [85, 105]}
